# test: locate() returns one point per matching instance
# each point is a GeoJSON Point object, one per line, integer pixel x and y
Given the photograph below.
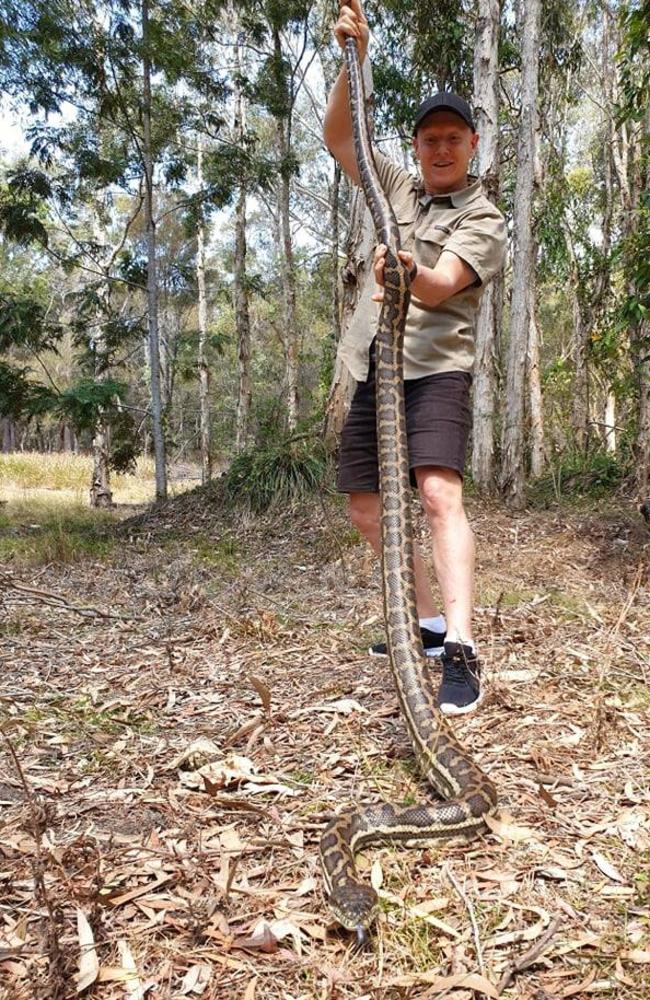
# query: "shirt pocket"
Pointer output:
{"type": "Point", "coordinates": [430, 240]}
{"type": "Point", "coordinates": [406, 222]}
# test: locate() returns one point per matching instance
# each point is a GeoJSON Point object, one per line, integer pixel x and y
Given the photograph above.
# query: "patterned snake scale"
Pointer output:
{"type": "Point", "coordinates": [467, 794]}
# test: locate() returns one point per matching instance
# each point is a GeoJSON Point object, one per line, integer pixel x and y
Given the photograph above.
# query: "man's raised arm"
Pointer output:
{"type": "Point", "coordinates": [337, 127]}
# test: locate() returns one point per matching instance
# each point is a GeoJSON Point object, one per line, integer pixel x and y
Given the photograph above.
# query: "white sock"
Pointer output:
{"type": "Point", "coordinates": [434, 624]}
{"type": "Point", "coordinates": [451, 637]}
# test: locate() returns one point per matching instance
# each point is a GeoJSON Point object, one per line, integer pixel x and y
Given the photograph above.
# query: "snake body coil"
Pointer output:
{"type": "Point", "coordinates": [467, 793]}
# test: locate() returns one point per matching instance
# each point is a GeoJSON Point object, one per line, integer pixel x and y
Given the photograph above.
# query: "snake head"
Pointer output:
{"type": "Point", "coordinates": [355, 906]}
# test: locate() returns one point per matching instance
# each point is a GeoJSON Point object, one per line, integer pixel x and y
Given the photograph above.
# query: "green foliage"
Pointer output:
{"type": "Point", "coordinates": [577, 475]}
{"type": "Point", "coordinates": [20, 398]}
{"type": "Point", "coordinates": [24, 322]}
{"type": "Point", "coordinates": [425, 47]}
{"type": "Point", "coordinates": [84, 402]}
{"type": "Point", "coordinates": [274, 475]}
{"type": "Point", "coordinates": [22, 211]}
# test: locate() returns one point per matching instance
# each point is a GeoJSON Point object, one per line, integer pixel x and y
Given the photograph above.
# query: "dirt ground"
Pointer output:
{"type": "Point", "coordinates": [183, 711]}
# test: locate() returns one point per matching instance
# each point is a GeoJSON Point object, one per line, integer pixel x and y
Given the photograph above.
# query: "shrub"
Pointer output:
{"type": "Point", "coordinates": [276, 473]}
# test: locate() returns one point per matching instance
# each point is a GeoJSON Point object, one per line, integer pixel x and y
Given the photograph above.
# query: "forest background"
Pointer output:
{"type": "Point", "coordinates": [180, 253]}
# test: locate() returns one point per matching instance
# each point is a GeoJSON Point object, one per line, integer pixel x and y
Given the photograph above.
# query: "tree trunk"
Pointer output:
{"type": "Point", "coordinates": [513, 452]}
{"type": "Point", "coordinates": [334, 227]}
{"type": "Point", "coordinates": [537, 456]}
{"type": "Point", "coordinates": [288, 264]}
{"type": "Point", "coordinates": [640, 332]}
{"type": "Point", "coordinates": [488, 320]}
{"type": "Point", "coordinates": [610, 423]}
{"type": "Point", "coordinates": [100, 482]}
{"type": "Point", "coordinates": [202, 358]}
{"type": "Point", "coordinates": [288, 289]}
{"type": "Point", "coordinates": [8, 435]}
{"type": "Point", "coordinates": [152, 287]}
{"type": "Point", "coordinates": [242, 316]}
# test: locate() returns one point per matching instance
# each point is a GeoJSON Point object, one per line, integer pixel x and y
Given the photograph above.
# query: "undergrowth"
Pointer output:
{"type": "Point", "coordinates": [35, 534]}
{"type": "Point", "coordinates": [577, 476]}
{"type": "Point", "coordinates": [276, 473]}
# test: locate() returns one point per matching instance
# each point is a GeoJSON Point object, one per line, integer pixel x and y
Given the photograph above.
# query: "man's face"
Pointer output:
{"type": "Point", "coordinates": [444, 144]}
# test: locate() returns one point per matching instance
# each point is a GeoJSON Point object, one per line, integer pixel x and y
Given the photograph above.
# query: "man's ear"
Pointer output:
{"type": "Point", "coordinates": [475, 139]}
{"type": "Point", "coordinates": [414, 140]}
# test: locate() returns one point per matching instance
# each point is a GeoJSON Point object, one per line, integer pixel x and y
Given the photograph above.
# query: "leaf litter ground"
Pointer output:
{"type": "Point", "coordinates": [182, 716]}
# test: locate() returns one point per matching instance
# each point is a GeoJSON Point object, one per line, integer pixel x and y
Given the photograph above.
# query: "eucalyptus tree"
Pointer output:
{"type": "Point", "coordinates": [128, 70]}
{"type": "Point", "coordinates": [277, 87]}
{"type": "Point", "coordinates": [513, 451]}
{"type": "Point", "coordinates": [488, 320]}
{"type": "Point", "coordinates": [634, 132]}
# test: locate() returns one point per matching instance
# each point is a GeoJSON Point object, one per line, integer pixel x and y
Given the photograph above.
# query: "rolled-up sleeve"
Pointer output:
{"type": "Point", "coordinates": [480, 241]}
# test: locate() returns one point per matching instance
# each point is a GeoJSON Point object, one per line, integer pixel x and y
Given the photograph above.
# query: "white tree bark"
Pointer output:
{"type": "Point", "coordinates": [242, 316]}
{"type": "Point", "coordinates": [152, 285]}
{"type": "Point", "coordinates": [488, 320]}
{"type": "Point", "coordinates": [537, 450]}
{"type": "Point", "coordinates": [513, 452]}
{"type": "Point", "coordinates": [100, 482]}
{"type": "Point", "coordinates": [202, 358]}
{"type": "Point", "coordinates": [610, 423]}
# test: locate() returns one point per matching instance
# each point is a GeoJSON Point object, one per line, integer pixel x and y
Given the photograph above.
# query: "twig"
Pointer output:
{"type": "Point", "coordinates": [470, 909]}
{"type": "Point", "coordinates": [529, 957]}
{"type": "Point", "coordinates": [47, 596]}
{"type": "Point", "coordinates": [629, 601]}
{"type": "Point", "coordinates": [57, 972]}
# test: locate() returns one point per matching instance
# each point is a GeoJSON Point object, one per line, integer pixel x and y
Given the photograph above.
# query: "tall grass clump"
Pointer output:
{"type": "Point", "coordinates": [275, 474]}
{"type": "Point", "coordinates": [579, 475]}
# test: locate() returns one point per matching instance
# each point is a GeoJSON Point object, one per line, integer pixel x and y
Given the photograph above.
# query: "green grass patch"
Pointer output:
{"type": "Point", "coordinates": [37, 533]}
{"type": "Point", "coordinates": [73, 718]}
{"type": "Point", "coordinates": [222, 553]}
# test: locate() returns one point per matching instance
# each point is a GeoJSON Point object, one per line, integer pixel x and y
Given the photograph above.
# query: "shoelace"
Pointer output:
{"type": "Point", "coordinates": [456, 670]}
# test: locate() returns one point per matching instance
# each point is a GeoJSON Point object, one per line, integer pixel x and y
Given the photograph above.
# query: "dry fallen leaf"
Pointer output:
{"type": "Point", "coordinates": [88, 962]}
{"type": "Point", "coordinates": [606, 867]}
{"type": "Point", "coordinates": [577, 988]}
{"type": "Point", "coordinates": [376, 875]}
{"type": "Point", "coordinates": [504, 826]}
{"type": "Point", "coordinates": [249, 992]}
{"type": "Point", "coordinates": [636, 955]}
{"type": "Point", "coordinates": [442, 984]}
{"type": "Point", "coordinates": [132, 984]}
{"type": "Point", "coordinates": [195, 980]}
{"type": "Point", "coordinates": [263, 691]}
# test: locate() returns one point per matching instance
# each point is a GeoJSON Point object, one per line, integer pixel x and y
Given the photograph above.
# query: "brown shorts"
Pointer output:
{"type": "Point", "coordinates": [438, 422]}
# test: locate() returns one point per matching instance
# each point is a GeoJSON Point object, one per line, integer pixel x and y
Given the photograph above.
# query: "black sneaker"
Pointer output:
{"type": "Point", "coordinates": [460, 690]}
{"type": "Point", "coordinates": [433, 643]}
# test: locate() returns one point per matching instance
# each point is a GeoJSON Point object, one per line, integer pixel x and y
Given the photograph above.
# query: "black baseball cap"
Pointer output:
{"type": "Point", "coordinates": [444, 101]}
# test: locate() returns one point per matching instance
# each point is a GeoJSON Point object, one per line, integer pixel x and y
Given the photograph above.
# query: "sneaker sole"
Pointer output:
{"type": "Point", "coordinates": [433, 652]}
{"type": "Point", "coordinates": [447, 708]}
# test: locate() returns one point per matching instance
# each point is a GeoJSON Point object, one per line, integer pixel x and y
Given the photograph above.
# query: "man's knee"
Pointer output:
{"type": "Point", "coordinates": [441, 492]}
{"type": "Point", "coordinates": [364, 512]}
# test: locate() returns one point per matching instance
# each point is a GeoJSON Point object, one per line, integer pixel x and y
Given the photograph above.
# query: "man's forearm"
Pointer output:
{"type": "Point", "coordinates": [434, 285]}
{"type": "Point", "coordinates": [337, 125]}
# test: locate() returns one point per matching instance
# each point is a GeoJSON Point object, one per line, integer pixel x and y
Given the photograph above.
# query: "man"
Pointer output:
{"type": "Point", "coordinates": [455, 237]}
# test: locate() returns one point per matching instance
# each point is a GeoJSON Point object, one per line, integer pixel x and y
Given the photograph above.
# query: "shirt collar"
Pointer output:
{"type": "Point", "coordinates": [457, 199]}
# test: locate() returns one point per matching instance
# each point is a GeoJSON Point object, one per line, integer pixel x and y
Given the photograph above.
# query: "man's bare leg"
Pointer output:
{"type": "Point", "coordinates": [364, 511]}
{"type": "Point", "coordinates": [441, 491]}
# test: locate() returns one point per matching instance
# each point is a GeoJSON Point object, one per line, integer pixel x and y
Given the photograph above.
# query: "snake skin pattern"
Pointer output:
{"type": "Point", "coordinates": [467, 793]}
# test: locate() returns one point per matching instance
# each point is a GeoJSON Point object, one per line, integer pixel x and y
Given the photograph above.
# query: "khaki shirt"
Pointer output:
{"type": "Point", "coordinates": [441, 338]}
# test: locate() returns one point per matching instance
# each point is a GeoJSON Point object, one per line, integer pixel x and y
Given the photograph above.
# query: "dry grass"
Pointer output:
{"type": "Point", "coordinates": [235, 636]}
{"type": "Point", "coordinates": [63, 477]}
